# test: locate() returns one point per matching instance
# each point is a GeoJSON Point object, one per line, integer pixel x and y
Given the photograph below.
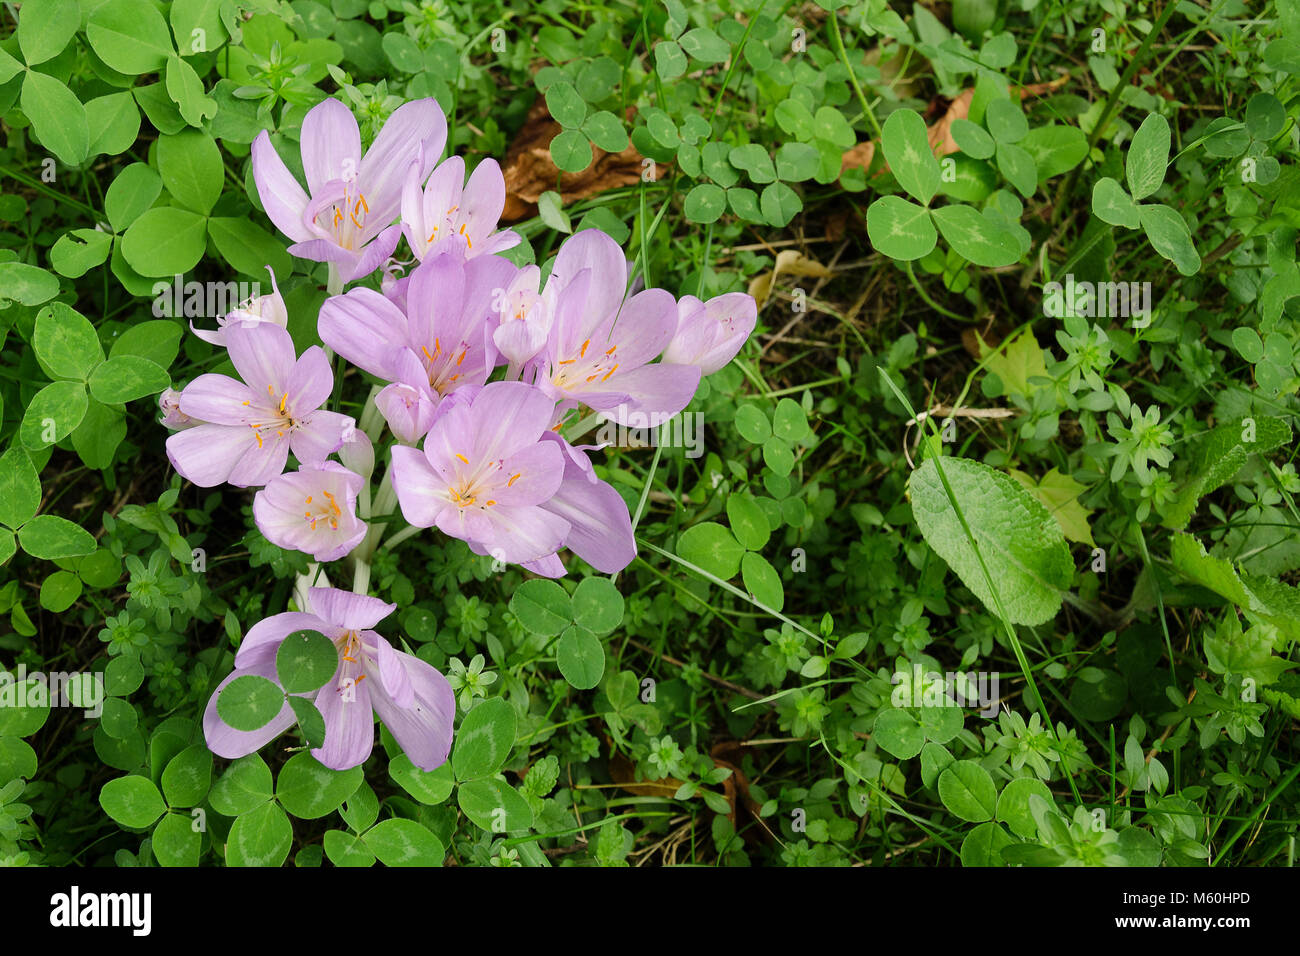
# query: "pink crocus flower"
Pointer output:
{"type": "Point", "coordinates": [313, 510]}
{"type": "Point", "coordinates": [415, 701]}
{"type": "Point", "coordinates": [346, 216]}
{"type": "Point", "coordinates": [452, 214]}
{"type": "Point", "coordinates": [409, 403]}
{"type": "Point", "coordinates": [258, 308]}
{"type": "Point", "coordinates": [525, 318]}
{"type": "Point", "coordinates": [601, 344]}
{"type": "Point", "coordinates": [710, 334]}
{"type": "Point", "coordinates": [250, 427]}
{"type": "Point", "coordinates": [444, 325]}
{"type": "Point", "coordinates": [484, 473]}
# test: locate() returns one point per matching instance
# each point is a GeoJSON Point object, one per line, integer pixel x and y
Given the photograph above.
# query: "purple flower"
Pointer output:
{"type": "Point", "coordinates": [485, 473]}
{"type": "Point", "coordinates": [451, 214]}
{"type": "Point", "coordinates": [414, 700]}
{"type": "Point", "coordinates": [408, 404]}
{"type": "Point", "coordinates": [259, 308]}
{"type": "Point", "coordinates": [600, 344]}
{"type": "Point", "coordinates": [525, 318]}
{"type": "Point", "coordinates": [444, 325]}
{"type": "Point", "coordinates": [313, 510]}
{"type": "Point", "coordinates": [251, 426]}
{"type": "Point", "coordinates": [600, 528]}
{"type": "Point", "coordinates": [353, 200]}
{"type": "Point", "coordinates": [709, 334]}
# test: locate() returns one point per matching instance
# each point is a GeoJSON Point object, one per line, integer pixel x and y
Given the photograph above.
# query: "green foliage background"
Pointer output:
{"type": "Point", "coordinates": [925, 462]}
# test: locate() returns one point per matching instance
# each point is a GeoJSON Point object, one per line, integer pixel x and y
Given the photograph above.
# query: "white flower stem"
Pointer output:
{"type": "Point", "coordinates": [334, 284]}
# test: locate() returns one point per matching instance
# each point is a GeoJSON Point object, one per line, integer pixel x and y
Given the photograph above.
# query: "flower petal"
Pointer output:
{"type": "Point", "coordinates": [224, 740]}
{"type": "Point", "coordinates": [352, 612]}
{"type": "Point", "coordinates": [331, 144]}
{"type": "Point", "coordinates": [423, 728]}
{"type": "Point", "coordinates": [282, 197]}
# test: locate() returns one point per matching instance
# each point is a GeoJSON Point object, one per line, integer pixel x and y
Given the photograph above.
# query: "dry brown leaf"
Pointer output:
{"type": "Point", "coordinates": [529, 171]}
{"type": "Point", "coordinates": [788, 262]}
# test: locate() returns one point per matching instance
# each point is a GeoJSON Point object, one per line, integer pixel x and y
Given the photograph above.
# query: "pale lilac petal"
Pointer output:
{"type": "Point", "coordinates": [320, 434]}
{"type": "Point", "coordinates": [373, 254]}
{"type": "Point", "coordinates": [508, 416]}
{"type": "Point", "coordinates": [482, 202]}
{"type": "Point", "coordinates": [224, 740]}
{"type": "Point", "coordinates": [423, 729]}
{"type": "Point", "coordinates": [417, 486]}
{"type": "Point", "coordinates": [548, 567]}
{"type": "Point", "coordinates": [644, 327]}
{"type": "Point", "coordinates": [364, 328]}
{"type": "Point", "coordinates": [261, 463]}
{"type": "Point", "coordinates": [408, 411]}
{"type": "Point", "coordinates": [262, 642]}
{"type": "Point", "coordinates": [594, 250]}
{"type": "Point", "coordinates": [331, 144]}
{"type": "Point", "coordinates": [309, 383]}
{"type": "Point", "coordinates": [263, 354]}
{"type": "Point", "coordinates": [206, 454]}
{"type": "Point", "coordinates": [218, 399]}
{"type": "Point", "coordinates": [325, 250]}
{"type": "Point", "coordinates": [515, 535]}
{"type": "Point", "coordinates": [392, 675]}
{"type": "Point", "coordinates": [600, 528]}
{"type": "Point", "coordinates": [282, 197]}
{"type": "Point", "coordinates": [540, 469]}
{"type": "Point", "coordinates": [655, 392]}
{"type": "Point", "coordinates": [349, 720]}
{"type": "Point", "coordinates": [415, 129]}
{"type": "Point", "coordinates": [352, 612]}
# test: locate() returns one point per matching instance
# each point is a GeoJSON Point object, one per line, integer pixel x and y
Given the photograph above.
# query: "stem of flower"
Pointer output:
{"type": "Point", "coordinates": [408, 532]}
{"type": "Point", "coordinates": [371, 422]}
{"type": "Point", "coordinates": [334, 284]}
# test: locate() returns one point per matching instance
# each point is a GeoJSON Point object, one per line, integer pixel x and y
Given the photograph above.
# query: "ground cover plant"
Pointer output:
{"type": "Point", "coordinates": [644, 433]}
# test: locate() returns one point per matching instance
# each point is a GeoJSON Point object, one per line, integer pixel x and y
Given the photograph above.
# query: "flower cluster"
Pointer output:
{"type": "Point", "coordinates": [482, 365]}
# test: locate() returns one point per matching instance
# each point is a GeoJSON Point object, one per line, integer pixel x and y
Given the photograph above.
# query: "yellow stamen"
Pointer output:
{"type": "Point", "coordinates": [462, 458]}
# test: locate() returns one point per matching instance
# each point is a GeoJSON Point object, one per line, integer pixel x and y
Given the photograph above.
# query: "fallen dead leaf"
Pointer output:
{"type": "Point", "coordinates": [788, 262]}
{"type": "Point", "coordinates": [529, 171]}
